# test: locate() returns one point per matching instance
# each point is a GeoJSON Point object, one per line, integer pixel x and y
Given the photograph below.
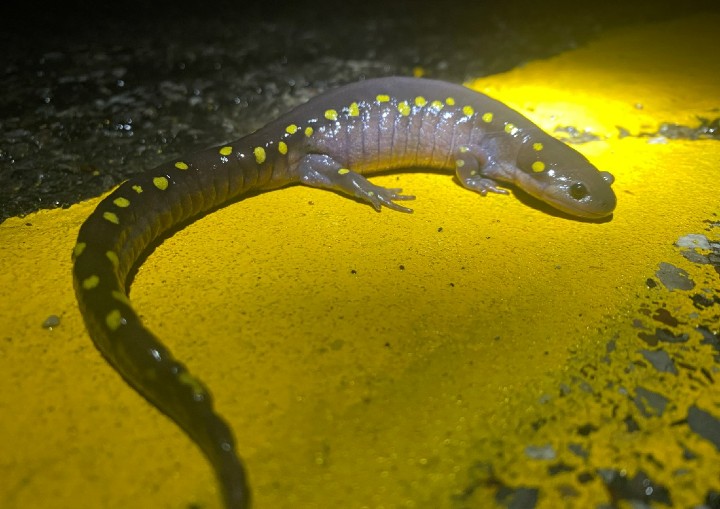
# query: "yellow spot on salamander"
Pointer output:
{"type": "Point", "coordinates": [226, 151]}
{"type": "Point", "coordinates": [510, 128]}
{"type": "Point", "coordinates": [161, 183]}
{"type": "Point", "coordinates": [459, 163]}
{"type": "Point", "coordinates": [464, 149]}
{"type": "Point", "coordinates": [354, 110]}
{"type": "Point", "coordinates": [197, 388]}
{"type": "Point", "coordinates": [138, 189]}
{"type": "Point", "coordinates": [308, 131]}
{"type": "Point", "coordinates": [343, 171]}
{"type": "Point", "coordinates": [404, 108]}
{"type": "Point", "coordinates": [487, 117]}
{"type": "Point", "coordinates": [114, 320]}
{"type": "Point", "coordinates": [468, 110]}
{"type": "Point", "coordinates": [331, 114]}
{"type": "Point", "coordinates": [291, 129]}
{"type": "Point", "coordinates": [121, 297]}
{"type": "Point", "coordinates": [420, 101]}
{"type": "Point", "coordinates": [259, 155]}
{"type": "Point", "coordinates": [437, 105]}
{"type": "Point", "coordinates": [90, 282]}
{"type": "Point", "coordinates": [121, 202]}
{"type": "Point", "coordinates": [538, 166]}
{"type": "Point", "coordinates": [113, 257]}
{"type": "Point", "coordinates": [537, 147]}
{"type": "Point", "coordinates": [282, 147]}
{"type": "Point", "coordinates": [383, 98]}
{"type": "Point", "coordinates": [112, 217]}
{"type": "Point", "coordinates": [450, 101]}
{"type": "Point", "coordinates": [79, 248]}
{"type": "Point", "coordinates": [181, 165]}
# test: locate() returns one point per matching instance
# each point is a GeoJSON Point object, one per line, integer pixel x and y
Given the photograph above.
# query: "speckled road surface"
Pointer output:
{"type": "Point", "coordinates": [481, 352]}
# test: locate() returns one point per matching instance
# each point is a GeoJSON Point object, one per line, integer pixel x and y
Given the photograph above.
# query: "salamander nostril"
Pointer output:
{"type": "Point", "coordinates": [578, 191]}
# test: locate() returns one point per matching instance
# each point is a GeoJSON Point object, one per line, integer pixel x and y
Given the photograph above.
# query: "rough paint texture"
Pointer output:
{"type": "Point", "coordinates": [395, 386]}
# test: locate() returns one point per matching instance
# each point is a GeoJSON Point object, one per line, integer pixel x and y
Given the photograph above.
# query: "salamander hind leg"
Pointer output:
{"type": "Point", "coordinates": [471, 167]}
{"type": "Point", "coordinates": [322, 171]}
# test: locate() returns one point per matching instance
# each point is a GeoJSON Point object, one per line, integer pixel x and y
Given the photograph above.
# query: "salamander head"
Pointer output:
{"type": "Point", "coordinates": [562, 177]}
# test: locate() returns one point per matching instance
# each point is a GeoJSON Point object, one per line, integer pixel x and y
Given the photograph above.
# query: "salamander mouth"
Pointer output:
{"type": "Point", "coordinates": [569, 201]}
{"type": "Point", "coordinates": [593, 212]}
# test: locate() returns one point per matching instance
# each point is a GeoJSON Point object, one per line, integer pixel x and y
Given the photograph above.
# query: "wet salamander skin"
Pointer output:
{"type": "Point", "coordinates": [329, 142]}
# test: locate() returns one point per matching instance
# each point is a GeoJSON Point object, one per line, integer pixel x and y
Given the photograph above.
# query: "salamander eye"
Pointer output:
{"type": "Point", "coordinates": [578, 191]}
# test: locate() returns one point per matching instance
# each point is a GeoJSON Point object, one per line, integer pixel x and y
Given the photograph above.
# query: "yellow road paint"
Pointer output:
{"type": "Point", "coordinates": [513, 347]}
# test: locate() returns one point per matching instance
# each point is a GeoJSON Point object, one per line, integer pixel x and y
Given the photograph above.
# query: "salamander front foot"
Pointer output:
{"type": "Point", "coordinates": [482, 185]}
{"type": "Point", "coordinates": [319, 170]}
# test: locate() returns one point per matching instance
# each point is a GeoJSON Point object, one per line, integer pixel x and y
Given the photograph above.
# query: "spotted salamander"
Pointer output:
{"type": "Point", "coordinates": [330, 142]}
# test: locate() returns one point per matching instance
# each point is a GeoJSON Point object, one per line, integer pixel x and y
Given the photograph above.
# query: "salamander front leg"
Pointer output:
{"type": "Point", "coordinates": [317, 170]}
{"type": "Point", "coordinates": [471, 168]}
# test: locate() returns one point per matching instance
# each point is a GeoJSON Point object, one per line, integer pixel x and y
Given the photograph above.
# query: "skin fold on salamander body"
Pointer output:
{"type": "Point", "coordinates": [330, 142]}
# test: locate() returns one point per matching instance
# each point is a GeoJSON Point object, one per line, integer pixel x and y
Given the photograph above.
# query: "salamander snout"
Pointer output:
{"type": "Point", "coordinates": [586, 193]}
{"type": "Point", "coordinates": [607, 177]}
